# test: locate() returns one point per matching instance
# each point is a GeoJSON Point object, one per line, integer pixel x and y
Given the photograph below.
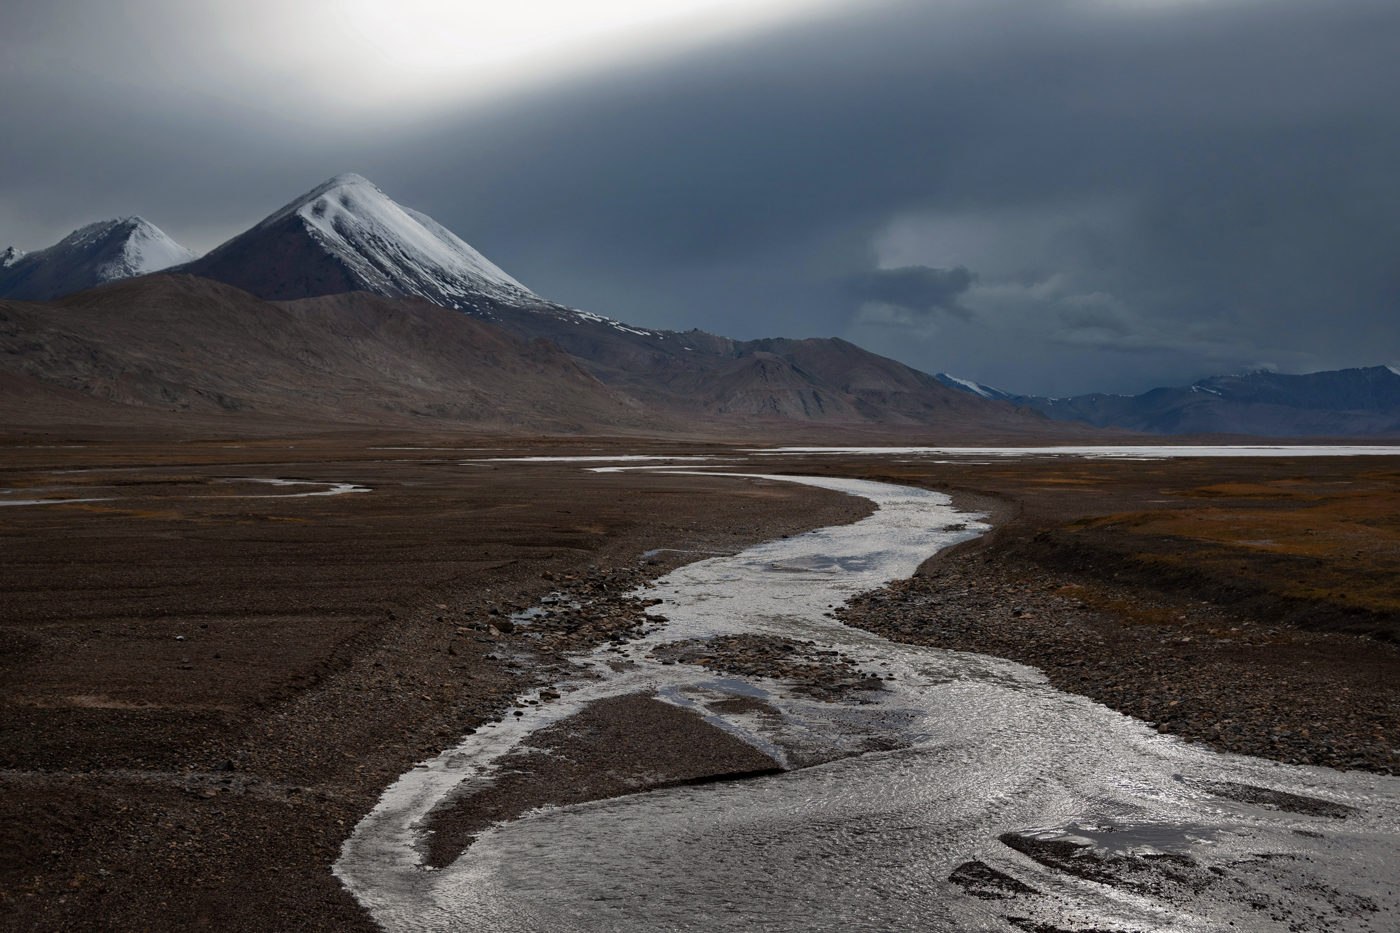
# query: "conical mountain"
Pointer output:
{"type": "Point", "coordinates": [93, 255]}
{"type": "Point", "coordinates": [346, 235]}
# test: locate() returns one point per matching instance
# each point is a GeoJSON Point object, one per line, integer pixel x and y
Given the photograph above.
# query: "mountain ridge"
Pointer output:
{"type": "Point", "coordinates": [346, 235]}
{"type": "Point", "coordinates": [1354, 401]}
{"type": "Point", "coordinates": [817, 381]}
{"type": "Point", "coordinates": [346, 239]}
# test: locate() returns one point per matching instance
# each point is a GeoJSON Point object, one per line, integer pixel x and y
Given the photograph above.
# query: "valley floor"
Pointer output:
{"type": "Point", "coordinates": [208, 679]}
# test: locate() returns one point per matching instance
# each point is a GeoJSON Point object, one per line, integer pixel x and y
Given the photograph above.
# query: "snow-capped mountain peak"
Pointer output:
{"type": "Point", "coordinates": [359, 240]}
{"type": "Point", "coordinates": [11, 256]}
{"type": "Point", "coordinates": [145, 249]}
{"type": "Point", "coordinates": [122, 248]}
{"type": "Point", "coordinates": [93, 255]}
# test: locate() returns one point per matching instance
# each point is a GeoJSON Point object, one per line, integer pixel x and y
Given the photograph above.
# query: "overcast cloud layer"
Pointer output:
{"type": "Point", "coordinates": [1052, 197]}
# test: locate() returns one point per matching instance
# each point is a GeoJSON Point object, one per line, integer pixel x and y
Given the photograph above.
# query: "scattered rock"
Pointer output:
{"type": "Point", "coordinates": [1273, 799]}
{"type": "Point", "coordinates": [819, 672]}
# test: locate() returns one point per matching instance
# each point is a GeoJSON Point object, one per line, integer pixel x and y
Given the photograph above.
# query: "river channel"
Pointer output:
{"type": "Point", "coordinates": [994, 803]}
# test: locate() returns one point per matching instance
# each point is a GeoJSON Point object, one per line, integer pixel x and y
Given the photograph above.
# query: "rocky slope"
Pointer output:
{"type": "Point", "coordinates": [813, 382]}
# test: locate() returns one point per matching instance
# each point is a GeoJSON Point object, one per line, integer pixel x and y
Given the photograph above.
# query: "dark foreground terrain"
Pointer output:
{"type": "Point", "coordinates": [205, 688]}
{"type": "Point", "coordinates": [207, 682]}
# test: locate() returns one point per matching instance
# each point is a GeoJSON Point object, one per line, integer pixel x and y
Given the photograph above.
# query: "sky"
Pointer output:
{"type": "Point", "coordinates": [1049, 196]}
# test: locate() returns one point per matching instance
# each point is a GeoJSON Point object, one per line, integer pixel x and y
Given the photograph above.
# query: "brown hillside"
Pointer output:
{"type": "Point", "coordinates": [177, 342]}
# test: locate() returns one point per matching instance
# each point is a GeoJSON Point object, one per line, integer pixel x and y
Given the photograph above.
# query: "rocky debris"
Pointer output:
{"type": "Point", "coordinates": [201, 785]}
{"type": "Point", "coordinates": [1273, 799]}
{"type": "Point", "coordinates": [819, 672]}
{"type": "Point", "coordinates": [983, 881]}
{"type": "Point", "coordinates": [1158, 873]}
{"type": "Point", "coordinates": [588, 610]}
{"type": "Point", "coordinates": [1183, 665]}
{"type": "Point", "coordinates": [1276, 886]}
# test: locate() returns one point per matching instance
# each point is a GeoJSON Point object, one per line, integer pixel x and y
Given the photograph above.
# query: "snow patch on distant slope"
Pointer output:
{"type": "Point", "coordinates": [11, 256]}
{"type": "Point", "coordinates": [625, 328]}
{"type": "Point", "coordinates": [970, 386]}
{"type": "Point", "coordinates": [973, 388]}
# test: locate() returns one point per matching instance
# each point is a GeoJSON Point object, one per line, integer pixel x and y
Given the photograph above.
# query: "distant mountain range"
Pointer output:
{"type": "Point", "coordinates": [1338, 402]}
{"type": "Point", "coordinates": [336, 306]}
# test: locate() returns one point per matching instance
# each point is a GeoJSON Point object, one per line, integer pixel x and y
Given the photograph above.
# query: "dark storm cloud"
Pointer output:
{"type": "Point", "coordinates": [1213, 184]}
{"type": "Point", "coordinates": [143, 107]}
{"type": "Point", "coordinates": [915, 288]}
{"type": "Point", "coordinates": [1148, 192]}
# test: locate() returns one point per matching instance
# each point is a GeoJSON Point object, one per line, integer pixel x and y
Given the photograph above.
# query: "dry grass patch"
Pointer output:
{"type": "Point", "coordinates": [1340, 545]}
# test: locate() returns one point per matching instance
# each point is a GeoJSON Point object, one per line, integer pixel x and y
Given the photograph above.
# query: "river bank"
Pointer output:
{"type": "Point", "coordinates": [1187, 667]}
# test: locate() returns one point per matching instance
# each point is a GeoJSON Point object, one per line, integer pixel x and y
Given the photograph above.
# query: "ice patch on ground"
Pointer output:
{"type": "Point", "coordinates": [333, 489]}
{"type": "Point", "coordinates": [1106, 451]}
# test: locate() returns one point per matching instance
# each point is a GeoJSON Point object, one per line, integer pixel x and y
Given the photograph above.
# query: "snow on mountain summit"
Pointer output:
{"type": "Point", "coordinates": [94, 255]}
{"type": "Point", "coordinates": [396, 242]}
{"type": "Point", "coordinates": [347, 235]}
{"type": "Point", "coordinates": [145, 249]}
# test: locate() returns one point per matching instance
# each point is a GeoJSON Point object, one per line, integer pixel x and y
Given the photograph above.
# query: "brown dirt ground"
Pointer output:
{"type": "Point", "coordinates": [203, 693]}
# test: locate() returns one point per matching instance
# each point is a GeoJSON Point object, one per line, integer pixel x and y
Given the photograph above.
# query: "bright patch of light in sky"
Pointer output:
{"type": "Point", "coordinates": [436, 49]}
{"type": "Point", "coordinates": [312, 61]}
{"type": "Point", "coordinates": [436, 35]}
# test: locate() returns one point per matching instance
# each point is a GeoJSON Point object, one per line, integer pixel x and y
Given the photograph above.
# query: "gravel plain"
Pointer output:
{"type": "Point", "coordinates": [1192, 669]}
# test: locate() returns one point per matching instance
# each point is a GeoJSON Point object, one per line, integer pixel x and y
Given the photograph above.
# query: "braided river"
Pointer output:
{"type": "Point", "coordinates": [967, 795]}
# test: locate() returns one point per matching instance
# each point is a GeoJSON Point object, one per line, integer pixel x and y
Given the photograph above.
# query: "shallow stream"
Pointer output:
{"type": "Point", "coordinates": [1047, 811]}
